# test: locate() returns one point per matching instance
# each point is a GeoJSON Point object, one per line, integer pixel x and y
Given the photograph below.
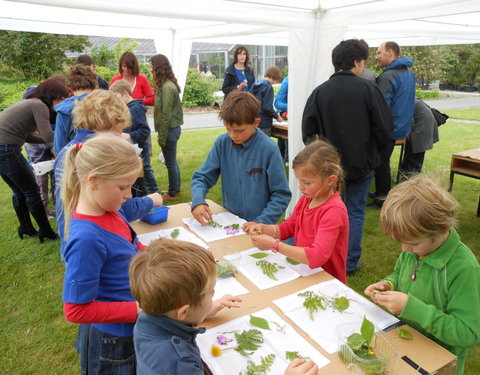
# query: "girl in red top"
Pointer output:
{"type": "Point", "coordinates": [319, 222]}
{"type": "Point", "coordinates": [130, 72]}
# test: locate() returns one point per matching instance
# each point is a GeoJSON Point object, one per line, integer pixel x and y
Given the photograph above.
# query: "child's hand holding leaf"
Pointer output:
{"type": "Point", "coordinates": [263, 242]}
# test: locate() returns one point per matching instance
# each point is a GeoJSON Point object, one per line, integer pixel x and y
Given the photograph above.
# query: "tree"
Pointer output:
{"type": "Point", "coordinates": [124, 45]}
{"type": "Point", "coordinates": [103, 56]}
{"type": "Point", "coordinates": [38, 55]}
{"type": "Point", "coordinates": [427, 62]}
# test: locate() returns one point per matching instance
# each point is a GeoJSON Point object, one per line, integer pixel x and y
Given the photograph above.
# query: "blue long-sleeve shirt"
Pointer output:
{"type": "Point", "coordinates": [254, 184]}
{"type": "Point", "coordinates": [64, 130]}
{"type": "Point", "coordinates": [281, 100]}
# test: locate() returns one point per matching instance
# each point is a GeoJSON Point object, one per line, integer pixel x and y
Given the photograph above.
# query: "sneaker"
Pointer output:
{"type": "Point", "coordinates": [355, 269]}
{"type": "Point", "coordinates": [165, 192]}
{"type": "Point", "coordinates": [167, 197]}
{"type": "Point", "coordinates": [376, 203]}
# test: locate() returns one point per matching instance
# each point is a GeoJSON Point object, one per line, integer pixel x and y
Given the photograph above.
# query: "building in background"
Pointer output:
{"type": "Point", "coordinates": [207, 57]}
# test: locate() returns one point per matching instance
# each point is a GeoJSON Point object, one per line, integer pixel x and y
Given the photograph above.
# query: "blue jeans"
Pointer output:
{"type": "Point", "coordinates": [102, 353]}
{"type": "Point", "coordinates": [18, 174]}
{"type": "Point", "coordinates": [149, 182]}
{"type": "Point", "coordinates": [170, 154]}
{"type": "Point", "coordinates": [355, 197]}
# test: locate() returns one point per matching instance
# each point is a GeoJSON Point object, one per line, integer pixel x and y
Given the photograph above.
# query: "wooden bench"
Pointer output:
{"type": "Point", "coordinates": [466, 163]}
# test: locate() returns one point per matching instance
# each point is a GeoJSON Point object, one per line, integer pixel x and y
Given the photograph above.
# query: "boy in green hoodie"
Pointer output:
{"type": "Point", "coordinates": [435, 286]}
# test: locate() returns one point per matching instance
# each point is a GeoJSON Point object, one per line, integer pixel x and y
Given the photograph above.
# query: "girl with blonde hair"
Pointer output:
{"type": "Point", "coordinates": [97, 180]}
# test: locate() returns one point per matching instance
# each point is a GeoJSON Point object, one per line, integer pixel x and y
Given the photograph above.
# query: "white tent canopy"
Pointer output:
{"type": "Point", "coordinates": [310, 28]}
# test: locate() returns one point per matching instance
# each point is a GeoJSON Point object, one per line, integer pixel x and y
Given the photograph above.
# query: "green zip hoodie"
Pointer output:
{"type": "Point", "coordinates": [444, 299]}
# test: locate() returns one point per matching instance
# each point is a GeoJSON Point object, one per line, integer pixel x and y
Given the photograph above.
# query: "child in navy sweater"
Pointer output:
{"type": "Point", "coordinates": [139, 133]}
{"type": "Point", "coordinates": [263, 91]}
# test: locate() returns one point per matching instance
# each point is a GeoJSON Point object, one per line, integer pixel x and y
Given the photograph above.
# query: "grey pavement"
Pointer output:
{"type": "Point", "coordinates": [193, 121]}
{"type": "Point", "coordinates": [454, 102]}
{"type": "Point", "coordinates": [209, 120]}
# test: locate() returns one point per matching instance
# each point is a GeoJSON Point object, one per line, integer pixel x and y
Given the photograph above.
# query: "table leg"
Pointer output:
{"type": "Point", "coordinates": [452, 174]}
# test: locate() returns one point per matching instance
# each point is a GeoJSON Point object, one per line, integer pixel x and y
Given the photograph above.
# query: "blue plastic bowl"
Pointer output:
{"type": "Point", "coordinates": [156, 215]}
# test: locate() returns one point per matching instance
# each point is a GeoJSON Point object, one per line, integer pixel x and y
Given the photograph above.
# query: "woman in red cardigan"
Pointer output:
{"type": "Point", "coordinates": [130, 72]}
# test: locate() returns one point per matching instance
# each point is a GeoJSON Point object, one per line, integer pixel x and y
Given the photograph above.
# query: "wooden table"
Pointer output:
{"type": "Point", "coordinates": [466, 163]}
{"type": "Point", "coordinates": [280, 130]}
{"type": "Point", "coordinates": [430, 356]}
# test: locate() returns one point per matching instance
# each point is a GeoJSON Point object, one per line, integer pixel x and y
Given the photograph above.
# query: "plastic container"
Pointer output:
{"type": "Point", "coordinates": [156, 215]}
{"type": "Point", "coordinates": [385, 351]}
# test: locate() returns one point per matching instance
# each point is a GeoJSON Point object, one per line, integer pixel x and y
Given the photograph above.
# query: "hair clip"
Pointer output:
{"type": "Point", "coordinates": [78, 145]}
{"type": "Point", "coordinates": [325, 166]}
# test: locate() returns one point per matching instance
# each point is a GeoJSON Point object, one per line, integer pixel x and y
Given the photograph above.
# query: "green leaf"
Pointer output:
{"type": "Point", "coordinates": [341, 303]}
{"type": "Point", "coordinates": [269, 269]}
{"type": "Point", "coordinates": [291, 261]}
{"type": "Point", "coordinates": [248, 341]}
{"type": "Point", "coordinates": [175, 233]}
{"type": "Point", "coordinates": [264, 366]}
{"type": "Point", "coordinates": [355, 341]}
{"type": "Point", "coordinates": [312, 302]}
{"type": "Point", "coordinates": [259, 255]}
{"type": "Point", "coordinates": [367, 330]}
{"type": "Point", "coordinates": [214, 224]}
{"type": "Point", "coordinates": [290, 356]}
{"type": "Point", "coordinates": [259, 322]}
{"type": "Point", "coordinates": [404, 333]}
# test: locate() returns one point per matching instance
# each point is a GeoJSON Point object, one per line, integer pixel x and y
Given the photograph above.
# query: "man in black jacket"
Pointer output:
{"type": "Point", "coordinates": [352, 114]}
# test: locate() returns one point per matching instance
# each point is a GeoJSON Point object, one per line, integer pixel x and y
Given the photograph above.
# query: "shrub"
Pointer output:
{"type": "Point", "coordinates": [13, 87]}
{"type": "Point", "coordinates": [106, 73]}
{"type": "Point", "coordinates": [199, 89]}
{"type": "Point", "coordinates": [145, 70]}
{"type": "Point", "coordinates": [427, 94]}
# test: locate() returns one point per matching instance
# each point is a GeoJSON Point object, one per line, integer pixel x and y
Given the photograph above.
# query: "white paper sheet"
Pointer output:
{"type": "Point", "coordinates": [183, 235]}
{"type": "Point", "coordinates": [229, 286]}
{"type": "Point", "coordinates": [232, 362]}
{"type": "Point", "coordinates": [323, 329]}
{"type": "Point", "coordinates": [209, 233]}
{"type": "Point", "coordinates": [247, 266]}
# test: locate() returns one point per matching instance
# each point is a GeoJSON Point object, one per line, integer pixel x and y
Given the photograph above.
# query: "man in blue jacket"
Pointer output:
{"type": "Point", "coordinates": [397, 84]}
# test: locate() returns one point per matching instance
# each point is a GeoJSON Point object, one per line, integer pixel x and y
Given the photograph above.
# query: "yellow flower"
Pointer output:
{"type": "Point", "coordinates": [216, 351]}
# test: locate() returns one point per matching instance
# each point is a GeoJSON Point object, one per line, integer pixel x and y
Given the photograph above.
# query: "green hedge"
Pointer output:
{"type": "Point", "coordinates": [13, 88]}
{"type": "Point", "coordinates": [199, 89]}
{"type": "Point", "coordinates": [427, 94]}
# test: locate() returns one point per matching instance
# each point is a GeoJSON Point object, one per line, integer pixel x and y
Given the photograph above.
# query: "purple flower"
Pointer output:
{"type": "Point", "coordinates": [223, 340]}
{"type": "Point", "coordinates": [230, 230]}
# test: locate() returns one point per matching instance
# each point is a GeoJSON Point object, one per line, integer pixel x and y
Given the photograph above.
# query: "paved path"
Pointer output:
{"type": "Point", "coordinates": [209, 120]}
{"type": "Point", "coordinates": [454, 103]}
{"type": "Point", "coordinates": [192, 121]}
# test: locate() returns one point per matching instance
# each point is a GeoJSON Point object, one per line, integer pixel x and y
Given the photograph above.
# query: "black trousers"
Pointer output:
{"type": "Point", "coordinates": [383, 175]}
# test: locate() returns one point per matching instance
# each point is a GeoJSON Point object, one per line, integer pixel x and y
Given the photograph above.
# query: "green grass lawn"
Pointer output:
{"type": "Point", "coordinates": [464, 114]}
{"type": "Point", "coordinates": [36, 339]}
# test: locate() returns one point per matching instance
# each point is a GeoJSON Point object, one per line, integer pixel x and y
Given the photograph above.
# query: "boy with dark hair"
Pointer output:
{"type": "Point", "coordinates": [351, 113]}
{"type": "Point", "coordinates": [88, 61]}
{"type": "Point", "coordinates": [138, 133]}
{"type": "Point", "coordinates": [254, 184]}
{"type": "Point", "coordinates": [263, 91]}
